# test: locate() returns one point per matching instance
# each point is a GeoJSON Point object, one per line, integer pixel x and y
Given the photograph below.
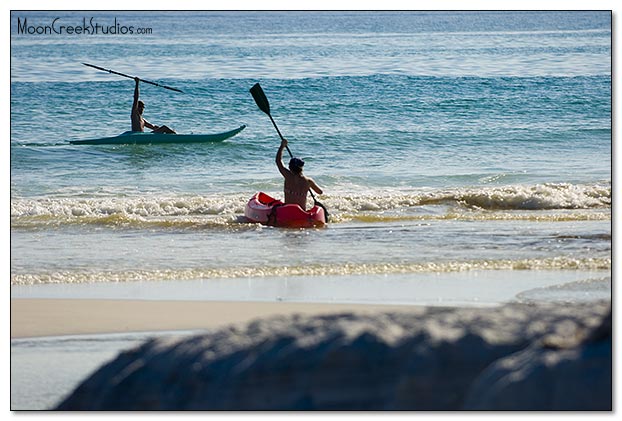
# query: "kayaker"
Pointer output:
{"type": "Point", "coordinates": [296, 183]}
{"type": "Point", "coordinates": [138, 122]}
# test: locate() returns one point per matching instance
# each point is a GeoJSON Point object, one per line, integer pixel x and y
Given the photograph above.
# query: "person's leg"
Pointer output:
{"type": "Point", "coordinates": [164, 129]}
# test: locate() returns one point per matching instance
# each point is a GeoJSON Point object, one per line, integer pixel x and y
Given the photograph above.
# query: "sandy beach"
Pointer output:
{"type": "Point", "coordinates": [52, 310]}
{"type": "Point", "coordinates": [59, 317]}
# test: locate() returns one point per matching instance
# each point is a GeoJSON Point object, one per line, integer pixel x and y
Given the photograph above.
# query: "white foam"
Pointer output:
{"type": "Point", "coordinates": [316, 270]}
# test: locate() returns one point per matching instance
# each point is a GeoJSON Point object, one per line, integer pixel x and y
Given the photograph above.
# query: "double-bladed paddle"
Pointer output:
{"type": "Point", "coordinates": [132, 77]}
{"type": "Point", "coordinates": [262, 102]}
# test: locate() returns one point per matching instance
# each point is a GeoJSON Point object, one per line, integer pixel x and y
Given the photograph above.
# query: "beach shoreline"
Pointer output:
{"type": "Point", "coordinates": [59, 317]}
{"type": "Point", "coordinates": [53, 310]}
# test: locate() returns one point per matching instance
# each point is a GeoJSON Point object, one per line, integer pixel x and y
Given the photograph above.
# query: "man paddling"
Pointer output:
{"type": "Point", "coordinates": [138, 122]}
{"type": "Point", "coordinates": [296, 184]}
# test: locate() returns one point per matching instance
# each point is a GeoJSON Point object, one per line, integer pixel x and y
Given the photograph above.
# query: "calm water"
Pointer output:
{"type": "Point", "coordinates": [444, 141]}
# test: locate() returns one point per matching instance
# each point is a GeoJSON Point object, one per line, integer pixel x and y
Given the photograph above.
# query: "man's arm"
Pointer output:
{"type": "Point", "coordinates": [314, 186]}
{"type": "Point", "coordinates": [149, 125]}
{"type": "Point", "coordinates": [136, 95]}
{"type": "Point", "coordinates": [279, 159]}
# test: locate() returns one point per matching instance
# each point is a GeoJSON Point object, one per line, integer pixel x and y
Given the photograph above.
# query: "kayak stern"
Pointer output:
{"type": "Point", "coordinates": [264, 209]}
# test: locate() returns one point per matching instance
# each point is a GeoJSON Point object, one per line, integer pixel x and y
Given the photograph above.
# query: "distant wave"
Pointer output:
{"type": "Point", "coordinates": [554, 202]}
{"type": "Point", "coordinates": [79, 277]}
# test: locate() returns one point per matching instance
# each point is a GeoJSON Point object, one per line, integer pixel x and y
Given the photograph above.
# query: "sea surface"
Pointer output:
{"type": "Point", "coordinates": [444, 141]}
{"type": "Point", "coordinates": [465, 147]}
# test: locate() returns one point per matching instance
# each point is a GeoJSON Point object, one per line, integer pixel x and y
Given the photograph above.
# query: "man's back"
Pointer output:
{"type": "Point", "coordinates": [296, 188]}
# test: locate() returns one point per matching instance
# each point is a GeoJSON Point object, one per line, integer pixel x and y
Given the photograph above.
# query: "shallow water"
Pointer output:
{"type": "Point", "coordinates": [38, 385]}
{"type": "Point", "coordinates": [473, 287]}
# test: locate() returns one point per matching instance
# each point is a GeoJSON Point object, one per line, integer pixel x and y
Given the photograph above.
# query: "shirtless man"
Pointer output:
{"type": "Point", "coordinates": [138, 122]}
{"type": "Point", "coordinates": [296, 184]}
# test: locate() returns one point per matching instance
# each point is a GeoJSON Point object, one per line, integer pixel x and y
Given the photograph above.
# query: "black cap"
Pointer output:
{"type": "Point", "coordinates": [296, 164]}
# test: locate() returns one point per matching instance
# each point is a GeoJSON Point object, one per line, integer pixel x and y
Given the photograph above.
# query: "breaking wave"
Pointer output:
{"type": "Point", "coordinates": [515, 197]}
{"type": "Point", "coordinates": [553, 202]}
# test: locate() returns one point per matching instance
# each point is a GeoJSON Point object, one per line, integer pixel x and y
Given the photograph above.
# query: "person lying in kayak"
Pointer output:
{"type": "Point", "coordinates": [138, 122]}
{"type": "Point", "coordinates": [296, 184]}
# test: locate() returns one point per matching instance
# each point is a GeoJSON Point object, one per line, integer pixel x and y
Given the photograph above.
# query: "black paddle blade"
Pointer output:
{"type": "Point", "coordinates": [260, 98]}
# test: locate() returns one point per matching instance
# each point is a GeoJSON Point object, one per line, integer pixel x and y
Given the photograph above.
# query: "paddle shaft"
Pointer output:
{"type": "Point", "coordinates": [281, 136]}
{"type": "Point", "coordinates": [132, 77]}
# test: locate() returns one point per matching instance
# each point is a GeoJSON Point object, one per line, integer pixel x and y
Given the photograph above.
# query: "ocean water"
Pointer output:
{"type": "Point", "coordinates": [445, 142]}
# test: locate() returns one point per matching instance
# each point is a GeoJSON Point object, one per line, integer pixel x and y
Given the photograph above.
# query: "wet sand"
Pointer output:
{"type": "Point", "coordinates": [57, 317]}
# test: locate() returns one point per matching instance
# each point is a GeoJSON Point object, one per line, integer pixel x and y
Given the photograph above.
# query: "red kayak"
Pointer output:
{"type": "Point", "coordinates": [270, 211]}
